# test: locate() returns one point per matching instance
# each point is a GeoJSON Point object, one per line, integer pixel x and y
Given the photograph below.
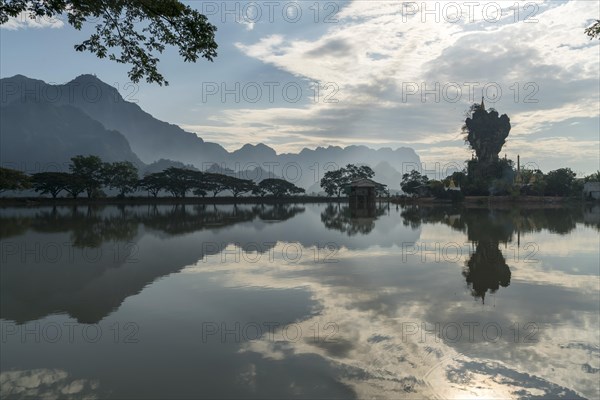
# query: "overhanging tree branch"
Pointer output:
{"type": "Point", "coordinates": [165, 23]}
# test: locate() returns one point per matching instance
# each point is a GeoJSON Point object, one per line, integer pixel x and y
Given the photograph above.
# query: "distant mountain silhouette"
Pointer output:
{"type": "Point", "coordinates": [163, 164]}
{"type": "Point", "coordinates": [152, 140]}
{"type": "Point", "coordinates": [46, 135]}
{"type": "Point", "coordinates": [254, 173]}
{"type": "Point", "coordinates": [387, 174]}
{"type": "Point", "coordinates": [314, 163]}
{"type": "Point", "coordinates": [254, 153]}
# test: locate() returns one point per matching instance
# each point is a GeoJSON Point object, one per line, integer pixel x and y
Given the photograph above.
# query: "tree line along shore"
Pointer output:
{"type": "Point", "coordinates": [485, 174]}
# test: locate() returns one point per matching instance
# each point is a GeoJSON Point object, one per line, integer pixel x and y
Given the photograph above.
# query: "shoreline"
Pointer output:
{"type": "Point", "coordinates": [495, 199]}
{"type": "Point", "coordinates": [84, 201]}
{"type": "Point", "coordinates": [468, 200]}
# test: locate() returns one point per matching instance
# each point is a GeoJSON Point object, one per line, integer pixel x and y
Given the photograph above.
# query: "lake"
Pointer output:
{"type": "Point", "coordinates": [299, 301]}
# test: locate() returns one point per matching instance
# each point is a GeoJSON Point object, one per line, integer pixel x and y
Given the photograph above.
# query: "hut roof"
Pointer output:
{"type": "Point", "coordinates": [364, 182]}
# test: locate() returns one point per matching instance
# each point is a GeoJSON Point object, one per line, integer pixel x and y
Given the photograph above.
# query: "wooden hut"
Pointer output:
{"type": "Point", "coordinates": [363, 193]}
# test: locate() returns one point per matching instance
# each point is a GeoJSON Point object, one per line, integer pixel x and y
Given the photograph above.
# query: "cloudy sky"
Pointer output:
{"type": "Point", "coordinates": [378, 73]}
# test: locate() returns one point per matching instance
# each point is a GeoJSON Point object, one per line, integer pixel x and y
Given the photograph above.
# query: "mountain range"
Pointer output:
{"type": "Point", "coordinates": [43, 125]}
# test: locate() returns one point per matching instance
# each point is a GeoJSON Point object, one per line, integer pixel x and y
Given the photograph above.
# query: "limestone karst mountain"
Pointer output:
{"type": "Point", "coordinates": [44, 123]}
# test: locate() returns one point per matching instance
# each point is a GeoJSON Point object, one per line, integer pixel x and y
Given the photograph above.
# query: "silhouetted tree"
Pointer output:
{"type": "Point", "coordinates": [200, 192]}
{"type": "Point", "coordinates": [139, 29]}
{"type": "Point", "coordinates": [75, 186]}
{"type": "Point", "coordinates": [594, 30]}
{"type": "Point", "coordinates": [91, 171]}
{"type": "Point", "coordinates": [213, 183]}
{"type": "Point", "coordinates": [495, 177]}
{"type": "Point", "coordinates": [332, 182]}
{"type": "Point", "coordinates": [560, 182]}
{"type": "Point", "coordinates": [238, 186]}
{"type": "Point", "coordinates": [436, 188]}
{"type": "Point", "coordinates": [279, 187]}
{"type": "Point", "coordinates": [413, 182]}
{"type": "Point", "coordinates": [595, 177]}
{"type": "Point", "coordinates": [122, 176]}
{"type": "Point", "coordinates": [153, 183]}
{"type": "Point", "coordinates": [179, 181]}
{"type": "Point", "coordinates": [51, 183]}
{"type": "Point", "coordinates": [336, 182]}
{"type": "Point", "coordinates": [259, 191]}
{"type": "Point", "coordinates": [358, 172]}
{"type": "Point", "coordinates": [11, 179]}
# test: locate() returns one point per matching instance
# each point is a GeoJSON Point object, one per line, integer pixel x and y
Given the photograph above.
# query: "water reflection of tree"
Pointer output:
{"type": "Point", "coordinates": [88, 226]}
{"type": "Point", "coordinates": [277, 212]}
{"type": "Point", "coordinates": [416, 215]}
{"type": "Point", "coordinates": [62, 280]}
{"type": "Point", "coordinates": [342, 218]}
{"type": "Point", "coordinates": [486, 269]}
{"type": "Point", "coordinates": [560, 220]}
{"type": "Point", "coordinates": [554, 220]}
{"type": "Point", "coordinates": [13, 226]}
{"type": "Point", "coordinates": [182, 219]}
{"type": "Point", "coordinates": [91, 226]}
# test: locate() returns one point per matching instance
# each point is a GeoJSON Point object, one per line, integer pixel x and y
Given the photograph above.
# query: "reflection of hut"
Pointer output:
{"type": "Point", "coordinates": [591, 215]}
{"type": "Point", "coordinates": [363, 193]}
{"type": "Point", "coordinates": [591, 191]}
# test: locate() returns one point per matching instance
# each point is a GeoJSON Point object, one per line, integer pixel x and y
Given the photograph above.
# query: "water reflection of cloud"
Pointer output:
{"type": "Point", "coordinates": [45, 384]}
{"type": "Point", "coordinates": [370, 294]}
{"type": "Point", "coordinates": [482, 375]}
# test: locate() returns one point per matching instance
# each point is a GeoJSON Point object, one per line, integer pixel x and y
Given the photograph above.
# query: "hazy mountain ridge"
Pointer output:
{"type": "Point", "coordinates": [152, 140]}
{"type": "Point", "coordinates": [149, 138]}
{"type": "Point", "coordinates": [44, 136]}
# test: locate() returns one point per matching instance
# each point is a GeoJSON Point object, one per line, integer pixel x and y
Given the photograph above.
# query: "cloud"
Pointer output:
{"type": "Point", "coordinates": [23, 21]}
{"type": "Point", "coordinates": [249, 25]}
{"type": "Point", "coordinates": [530, 122]}
{"type": "Point", "coordinates": [539, 58]}
{"type": "Point", "coordinates": [338, 48]}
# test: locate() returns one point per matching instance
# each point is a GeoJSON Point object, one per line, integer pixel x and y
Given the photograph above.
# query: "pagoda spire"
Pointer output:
{"type": "Point", "coordinates": [482, 103]}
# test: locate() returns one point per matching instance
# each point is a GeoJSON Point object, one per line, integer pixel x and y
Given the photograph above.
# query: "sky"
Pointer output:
{"type": "Point", "coordinates": [377, 73]}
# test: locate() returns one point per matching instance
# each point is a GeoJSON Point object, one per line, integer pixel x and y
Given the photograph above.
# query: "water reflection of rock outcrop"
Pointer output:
{"type": "Point", "coordinates": [486, 269]}
{"type": "Point", "coordinates": [349, 220]}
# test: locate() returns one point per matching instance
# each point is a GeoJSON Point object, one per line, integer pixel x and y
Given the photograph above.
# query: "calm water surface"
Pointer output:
{"type": "Point", "coordinates": [299, 301]}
